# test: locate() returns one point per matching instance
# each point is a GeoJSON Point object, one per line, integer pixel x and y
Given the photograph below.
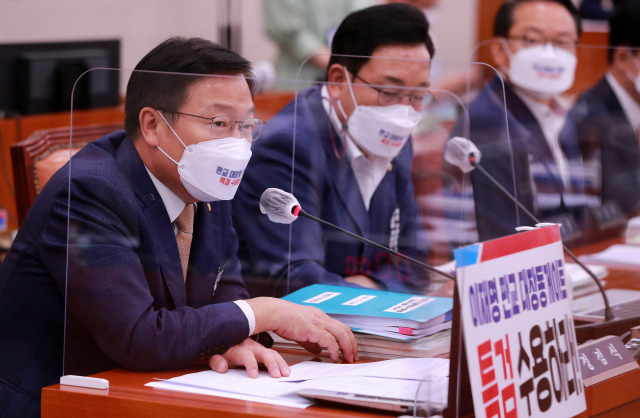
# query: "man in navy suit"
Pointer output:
{"type": "Point", "coordinates": [353, 155]}
{"type": "Point", "coordinates": [153, 281]}
{"type": "Point", "coordinates": [534, 50]}
{"type": "Point", "coordinates": [606, 118]}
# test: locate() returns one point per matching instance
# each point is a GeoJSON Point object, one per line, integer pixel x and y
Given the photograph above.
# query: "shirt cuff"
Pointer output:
{"type": "Point", "coordinates": [248, 312]}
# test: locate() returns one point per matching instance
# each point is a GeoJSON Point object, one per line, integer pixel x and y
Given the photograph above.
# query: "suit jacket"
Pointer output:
{"type": "Point", "coordinates": [326, 187]}
{"type": "Point", "coordinates": [126, 300]}
{"type": "Point", "coordinates": [603, 131]}
{"type": "Point", "coordinates": [496, 215]}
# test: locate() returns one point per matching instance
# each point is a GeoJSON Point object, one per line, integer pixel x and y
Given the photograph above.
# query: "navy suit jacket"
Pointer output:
{"type": "Point", "coordinates": [126, 302]}
{"type": "Point", "coordinates": [326, 187]}
{"type": "Point", "coordinates": [602, 128]}
{"type": "Point", "coordinates": [496, 215]}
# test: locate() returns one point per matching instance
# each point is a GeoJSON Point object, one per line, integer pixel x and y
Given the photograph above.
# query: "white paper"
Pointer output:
{"type": "Point", "coordinates": [617, 254]}
{"type": "Point", "coordinates": [236, 384]}
{"type": "Point", "coordinates": [291, 400]}
{"type": "Point", "coordinates": [580, 277]}
{"type": "Point", "coordinates": [405, 369]}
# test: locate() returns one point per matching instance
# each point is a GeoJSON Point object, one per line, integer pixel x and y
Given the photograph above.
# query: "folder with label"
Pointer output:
{"type": "Point", "coordinates": [366, 309]}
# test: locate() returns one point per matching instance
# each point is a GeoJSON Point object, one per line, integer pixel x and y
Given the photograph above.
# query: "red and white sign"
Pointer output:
{"type": "Point", "coordinates": [518, 327]}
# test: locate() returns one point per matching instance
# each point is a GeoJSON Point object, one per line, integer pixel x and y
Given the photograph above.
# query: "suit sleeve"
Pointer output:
{"type": "Point", "coordinates": [267, 242]}
{"type": "Point", "coordinates": [106, 288]}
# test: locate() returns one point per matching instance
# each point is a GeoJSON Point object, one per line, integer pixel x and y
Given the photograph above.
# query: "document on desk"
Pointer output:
{"type": "Point", "coordinates": [404, 369]}
{"type": "Point", "coordinates": [398, 377]}
{"type": "Point", "coordinates": [236, 384]}
{"type": "Point", "coordinates": [618, 254]}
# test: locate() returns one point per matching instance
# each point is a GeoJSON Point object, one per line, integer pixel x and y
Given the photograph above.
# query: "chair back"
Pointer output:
{"type": "Point", "coordinates": [43, 153]}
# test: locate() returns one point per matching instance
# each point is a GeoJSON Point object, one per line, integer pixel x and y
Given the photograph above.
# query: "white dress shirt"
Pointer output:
{"type": "Point", "coordinates": [551, 120]}
{"type": "Point", "coordinates": [174, 206]}
{"type": "Point", "coordinates": [630, 107]}
{"type": "Point", "coordinates": [369, 171]}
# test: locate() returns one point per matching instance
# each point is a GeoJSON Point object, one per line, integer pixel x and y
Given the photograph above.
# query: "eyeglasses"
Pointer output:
{"type": "Point", "coordinates": [531, 40]}
{"type": "Point", "coordinates": [387, 97]}
{"type": "Point", "coordinates": [223, 126]}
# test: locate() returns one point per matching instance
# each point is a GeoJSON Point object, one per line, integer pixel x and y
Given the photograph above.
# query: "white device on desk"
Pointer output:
{"type": "Point", "coordinates": [374, 402]}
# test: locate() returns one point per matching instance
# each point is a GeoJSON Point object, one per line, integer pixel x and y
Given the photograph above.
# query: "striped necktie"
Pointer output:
{"type": "Point", "coordinates": [184, 222]}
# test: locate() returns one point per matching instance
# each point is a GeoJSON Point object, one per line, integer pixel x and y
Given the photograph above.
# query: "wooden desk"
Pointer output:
{"type": "Point", "coordinates": [128, 397]}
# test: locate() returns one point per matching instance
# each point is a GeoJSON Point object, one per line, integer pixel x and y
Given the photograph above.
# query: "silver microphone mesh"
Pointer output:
{"type": "Point", "coordinates": [277, 205]}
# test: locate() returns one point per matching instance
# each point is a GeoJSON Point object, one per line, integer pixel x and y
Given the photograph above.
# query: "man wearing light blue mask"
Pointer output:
{"type": "Point", "coordinates": [534, 51]}
{"type": "Point", "coordinates": [353, 156]}
{"type": "Point", "coordinates": [606, 118]}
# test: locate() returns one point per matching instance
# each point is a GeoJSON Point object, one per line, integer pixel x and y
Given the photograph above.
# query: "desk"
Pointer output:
{"type": "Point", "coordinates": [128, 397]}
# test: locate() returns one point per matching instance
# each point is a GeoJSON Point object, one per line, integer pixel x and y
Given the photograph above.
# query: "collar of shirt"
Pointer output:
{"type": "Point", "coordinates": [368, 171]}
{"type": "Point", "coordinates": [172, 202]}
{"type": "Point", "coordinates": [551, 120]}
{"type": "Point", "coordinates": [630, 107]}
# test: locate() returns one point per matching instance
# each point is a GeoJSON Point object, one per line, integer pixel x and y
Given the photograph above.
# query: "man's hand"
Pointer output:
{"type": "Point", "coordinates": [248, 354]}
{"type": "Point", "coordinates": [308, 326]}
{"type": "Point", "coordinates": [363, 281]}
{"type": "Point", "coordinates": [445, 291]}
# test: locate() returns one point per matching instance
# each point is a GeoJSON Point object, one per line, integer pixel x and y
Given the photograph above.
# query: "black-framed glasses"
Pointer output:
{"type": "Point", "coordinates": [387, 97]}
{"type": "Point", "coordinates": [222, 126]}
{"type": "Point", "coordinates": [533, 39]}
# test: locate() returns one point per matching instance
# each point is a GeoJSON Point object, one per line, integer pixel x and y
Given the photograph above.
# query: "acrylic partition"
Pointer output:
{"type": "Point", "coordinates": [148, 259]}
{"type": "Point", "coordinates": [368, 155]}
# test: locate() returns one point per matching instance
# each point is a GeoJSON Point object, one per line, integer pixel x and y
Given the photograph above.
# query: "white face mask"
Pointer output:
{"type": "Point", "coordinates": [544, 70]}
{"type": "Point", "coordinates": [212, 170]}
{"type": "Point", "coordinates": [380, 130]}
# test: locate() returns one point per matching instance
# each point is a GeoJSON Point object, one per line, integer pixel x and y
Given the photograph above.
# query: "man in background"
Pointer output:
{"type": "Point", "coordinates": [534, 51]}
{"type": "Point", "coordinates": [304, 29]}
{"type": "Point", "coordinates": [606, 118]}
{"type": "Point", "coordinates": [353, 155]}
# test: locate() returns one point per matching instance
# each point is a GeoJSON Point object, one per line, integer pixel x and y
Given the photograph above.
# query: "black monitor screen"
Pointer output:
{"type": "Point", "coordinates": [39, 78]}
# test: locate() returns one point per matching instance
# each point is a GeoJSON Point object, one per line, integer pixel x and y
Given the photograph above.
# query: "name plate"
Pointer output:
{"type": "Point", "coordinates": [603, 359]}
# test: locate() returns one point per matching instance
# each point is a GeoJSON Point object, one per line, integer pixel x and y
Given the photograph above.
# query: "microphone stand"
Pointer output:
{"type": "Point", "coordinates": [374, 244]}
{"type": "Point", "coordinates": [608, 314]}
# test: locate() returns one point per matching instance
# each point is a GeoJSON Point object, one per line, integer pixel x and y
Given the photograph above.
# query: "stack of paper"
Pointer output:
{"type": "Point", "coordinates": [632, 233]}
{"type": "Point", "coordinates": [618, 254]}
{"type": "Point", "coordinates": [369, 345]}
{"type": "Point", "coordinates": [583, 283]}
{"type": "Point", "coordinates": [386, 314]}
{"type": "Point", "coordinates": [393, 379]}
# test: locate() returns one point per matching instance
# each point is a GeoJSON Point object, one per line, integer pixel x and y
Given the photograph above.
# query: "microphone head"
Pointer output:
{"type": "Point", "coordinates": [458, 151]}
{"type": "Point", "coordinates": [278, 206]}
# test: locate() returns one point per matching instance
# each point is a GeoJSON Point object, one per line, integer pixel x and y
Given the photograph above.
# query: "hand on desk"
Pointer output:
{"type": "Point", "coordinates": [363, 281]}
{"type": "Point", "coordinates": [445, 291]}
{"type": "Point", "coordinates": [248, 353]}
{"type": "Point", "coordinates": [308, 326]}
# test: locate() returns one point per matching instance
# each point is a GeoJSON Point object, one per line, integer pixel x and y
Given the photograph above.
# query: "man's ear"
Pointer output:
{"type": "Point", "coordinates": [620, 58]}
{"type": "Point", "coordinates": [336, 74]}
{"type": "Point", "coordinates": [499, 54]}
{"type": "Point", "coordinates": [149, 123]}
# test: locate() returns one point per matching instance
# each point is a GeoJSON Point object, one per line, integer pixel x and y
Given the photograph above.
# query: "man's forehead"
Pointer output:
{"type": "Point", "coordinates": [399, 66]}
{"type": "Point", "coordinates": [221, 94]}
{"type": "Point", "coordinates": [543, 17]}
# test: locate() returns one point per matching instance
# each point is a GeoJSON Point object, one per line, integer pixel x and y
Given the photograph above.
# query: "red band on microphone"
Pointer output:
{"type": "Point", "coordinates": [296, 210]}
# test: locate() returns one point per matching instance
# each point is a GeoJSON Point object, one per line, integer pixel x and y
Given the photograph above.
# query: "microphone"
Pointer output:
{"type": "Point", "coordinates": [282, 207]}
{"type": "Point", "coordinates": [463, 153]}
